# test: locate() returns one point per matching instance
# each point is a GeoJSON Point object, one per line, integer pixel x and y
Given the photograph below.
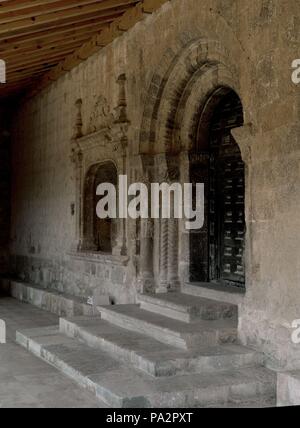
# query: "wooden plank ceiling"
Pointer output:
{"type": "Point", "coordinates": [42, 39]}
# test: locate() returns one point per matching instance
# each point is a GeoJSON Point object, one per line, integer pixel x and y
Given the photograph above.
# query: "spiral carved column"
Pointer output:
{"type": "Point", "coordinates": [169, 280]}
{"type": "Point", "coordinates": [164, 247]}
{"type": "Point", "coordinates": [173, 278]}
{"type": "Point", "coordinates": [173, 281]}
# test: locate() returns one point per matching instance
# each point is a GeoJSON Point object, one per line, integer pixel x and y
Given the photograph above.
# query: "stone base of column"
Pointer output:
{"type": "Point", "coordinates": [174, 286]}
{"type": "Point", "coordinates": [146, 285]}
{"type": "Point", "coordinates": [162, 287]}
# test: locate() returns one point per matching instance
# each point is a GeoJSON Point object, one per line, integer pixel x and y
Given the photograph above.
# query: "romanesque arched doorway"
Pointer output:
{"type": "Point", "coordinates": [217, 250]}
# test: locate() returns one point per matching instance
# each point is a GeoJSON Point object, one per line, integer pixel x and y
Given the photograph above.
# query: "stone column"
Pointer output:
{"type": "Point", "coordinates": [174, 177]}
{"type": "Point", "coordinates": [184, 234]}
{"type": "Point", "coordinates": [146, 277]}
{"type": "Point", "coordinates": [164, 259]}
{"type": "Point", "coordinates": [77, 159]}
{"type": "Point", "coordinates": [120, 139]}
{"type": "Point", "coordinates": [168, 280]}
{"type": "Point", "coordinates": [173, 281]}
{"type": "Point", "coordinates": [79, 201]}
{"type": "Point", "coordinates": [163, 229]}
{"type": "Point", "coordinates": [146, 256]}
{"type": "Point", "coordinates": [120, 248]}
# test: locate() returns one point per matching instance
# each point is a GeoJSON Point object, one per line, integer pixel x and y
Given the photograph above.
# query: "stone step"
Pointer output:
{"type": "Point", "coordinates": [153, 357]}
{"type": "Point", "coordinates": [169, 331]}
{"type": "Point", "coordinates": [118, 385]}
{"type": "Point", "coordinates": [187, 308]}
{"type": "Point", "coordinates": [52, 301]}
{"type": "Point", "coordinates": [288, 388]}
{"type": "Point", "coordinates": [217, 292]}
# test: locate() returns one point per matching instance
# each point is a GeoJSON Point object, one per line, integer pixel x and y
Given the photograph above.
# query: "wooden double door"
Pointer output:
{"type": "Point", "coordinates": [217, 250]}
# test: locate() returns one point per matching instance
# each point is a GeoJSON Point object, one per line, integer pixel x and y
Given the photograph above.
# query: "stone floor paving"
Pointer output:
{"type": "Point", "coordinates": [26, 381]}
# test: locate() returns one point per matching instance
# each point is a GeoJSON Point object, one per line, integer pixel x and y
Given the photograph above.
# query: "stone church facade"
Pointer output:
{"type": "Point", "coordinates": [197, 92]}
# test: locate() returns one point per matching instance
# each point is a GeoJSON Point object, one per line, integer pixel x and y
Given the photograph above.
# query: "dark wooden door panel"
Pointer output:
{"type": "Point", "coordinates": [217, 251]}
{"type": "Point", "coordinates": [227, 242]}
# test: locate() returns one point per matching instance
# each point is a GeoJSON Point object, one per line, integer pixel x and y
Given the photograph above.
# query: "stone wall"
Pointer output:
{"type": "Point", "coordinates": [248, 46]}
{"type": "Point", "coordinates": [4, 190]}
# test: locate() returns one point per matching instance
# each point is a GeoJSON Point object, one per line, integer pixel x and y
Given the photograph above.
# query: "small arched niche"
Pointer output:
{"type": "Point", "coordinates": [217, 250]}
{"type": "Point", "coordinates": [99, 234]}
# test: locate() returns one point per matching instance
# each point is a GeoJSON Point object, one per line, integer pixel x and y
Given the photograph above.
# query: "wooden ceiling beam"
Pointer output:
{"type": "Point", "coordinates": [86, 22]}
{"type": "Point", "coordinates": [47, 37]}
{"type": "Point", "coordinates": [49, 18]}
{"type": "Point", "coordinates": [42, 47]}
{"type": "Point", "coordinates": [7, 15]}
{"type": "Point", "coordinates": [33, 47]}
{"type": "Point", "coordinates": [14, 5]}
{"type": "Point", "coordinates": [32, 74]}
{"type": "Point", "coordinates": [114, 30]}
{"type": "Point", "coordinates": [20, 61]}
{"type": "Point", "coordinates": [71, 22]}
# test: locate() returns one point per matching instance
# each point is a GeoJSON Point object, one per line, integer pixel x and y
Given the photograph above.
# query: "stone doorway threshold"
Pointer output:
{"type": "Point", "coordinates": [211, 291]}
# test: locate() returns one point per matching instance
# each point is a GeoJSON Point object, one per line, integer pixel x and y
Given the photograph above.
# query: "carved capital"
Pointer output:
{"type": "Point", "coordinates": [167, 168]}
{"type": "Point", "coordinates": [147, 162]}
{"type": "Point", "coordinates": [173, 168]}
{"type": "Point", "coordinates": [147, 228]}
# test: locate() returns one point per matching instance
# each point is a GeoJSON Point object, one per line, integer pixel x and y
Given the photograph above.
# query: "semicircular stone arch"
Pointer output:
{"type": "Point", "coordinates": [195, 72]}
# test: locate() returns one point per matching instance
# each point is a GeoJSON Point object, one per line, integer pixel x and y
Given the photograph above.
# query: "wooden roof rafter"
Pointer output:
{"type": "Point", "coordinates": [42, 39]}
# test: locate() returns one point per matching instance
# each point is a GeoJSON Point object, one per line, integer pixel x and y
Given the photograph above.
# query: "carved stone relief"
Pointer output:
{"type": "Point", "coordinates": [101, 117]}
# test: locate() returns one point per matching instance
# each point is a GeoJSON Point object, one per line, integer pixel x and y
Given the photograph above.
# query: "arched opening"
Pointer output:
{"type": "Point", "coordinates": [217, 250]}
{"type": "Point", "coordinates": [99, 234]}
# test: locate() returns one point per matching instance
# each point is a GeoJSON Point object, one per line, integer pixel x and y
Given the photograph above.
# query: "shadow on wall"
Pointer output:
{"type": "Point", "coordinates": [4, 189]}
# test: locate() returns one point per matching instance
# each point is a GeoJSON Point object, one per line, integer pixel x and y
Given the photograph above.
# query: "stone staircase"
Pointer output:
{"type": "Point", "coordinates": [170, 350]}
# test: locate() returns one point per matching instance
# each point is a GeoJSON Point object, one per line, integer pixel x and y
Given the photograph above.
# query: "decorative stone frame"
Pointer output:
{"type": "Point", "coordinates": [106, 140]}
{"type": "Point", "coordinates": [178, 94]}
